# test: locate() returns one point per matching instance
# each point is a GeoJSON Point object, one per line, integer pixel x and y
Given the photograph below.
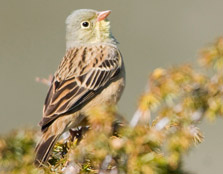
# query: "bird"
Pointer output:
{"type": "Point", "coordinates": [91, 74]}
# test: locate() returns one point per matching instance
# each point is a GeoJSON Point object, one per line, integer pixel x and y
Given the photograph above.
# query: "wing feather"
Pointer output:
{"type": "Point", "coordinates": [82, 73]}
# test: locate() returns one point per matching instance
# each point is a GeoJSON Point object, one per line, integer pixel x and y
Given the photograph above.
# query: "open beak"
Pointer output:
{"type": "Point", "coordinates": [103, 15]}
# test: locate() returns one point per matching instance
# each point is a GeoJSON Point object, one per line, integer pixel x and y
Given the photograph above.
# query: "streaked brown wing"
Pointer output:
{"type": "Point", "coordinates": [69, 93]}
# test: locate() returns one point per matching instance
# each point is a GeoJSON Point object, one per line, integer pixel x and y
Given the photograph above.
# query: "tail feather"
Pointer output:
{"type": "Point", "coordinates": [49, 137]}
{"type": "Point", "coordinates": [43, 149]}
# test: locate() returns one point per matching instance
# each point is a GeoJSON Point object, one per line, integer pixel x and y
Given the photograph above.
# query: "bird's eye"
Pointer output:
{"type": "Point", "coordinates": [85, 24]}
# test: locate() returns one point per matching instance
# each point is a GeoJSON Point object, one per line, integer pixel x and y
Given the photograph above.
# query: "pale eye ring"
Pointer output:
{"type": "Point", "coordinates": [85, 24]}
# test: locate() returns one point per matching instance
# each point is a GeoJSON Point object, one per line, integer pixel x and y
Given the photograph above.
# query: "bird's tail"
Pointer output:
{"type": "Point", "coordinates": [49, 138]}
{"type": "Point", "coordinates": [44, 148]}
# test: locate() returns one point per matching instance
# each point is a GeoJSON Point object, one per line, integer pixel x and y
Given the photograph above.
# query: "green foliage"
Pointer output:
{"type": "Point", "coordinates": [177, 99]}
{"type": "Point", "coordinates": [16, 152]}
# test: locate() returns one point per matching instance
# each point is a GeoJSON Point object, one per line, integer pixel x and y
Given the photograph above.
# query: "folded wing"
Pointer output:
{"type": "Point", "coordinates": [81, 75]}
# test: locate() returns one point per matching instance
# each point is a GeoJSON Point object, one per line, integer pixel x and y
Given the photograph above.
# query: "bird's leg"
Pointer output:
{"type": "Point", "coordinates": [119, 123]}
{"type": "Point", "coordinates": [75, 133]}
{"type": "Point", "coordinates": [78, 133]}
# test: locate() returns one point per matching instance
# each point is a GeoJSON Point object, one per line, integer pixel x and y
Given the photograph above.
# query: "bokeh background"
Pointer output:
{"type": "Point", "coordinates": [152, 33]}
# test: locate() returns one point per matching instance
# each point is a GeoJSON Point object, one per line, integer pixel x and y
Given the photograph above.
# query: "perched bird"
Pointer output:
{"type": "Point", "coordinates": [90, 74]}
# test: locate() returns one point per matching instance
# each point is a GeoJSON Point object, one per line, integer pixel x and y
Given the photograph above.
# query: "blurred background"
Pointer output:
{"type": "Point", "coordinates": [152, 34]}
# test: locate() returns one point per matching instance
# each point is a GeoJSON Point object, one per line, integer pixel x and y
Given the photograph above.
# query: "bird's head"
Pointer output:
{"type": "Point", "coordinates": [87, 26]}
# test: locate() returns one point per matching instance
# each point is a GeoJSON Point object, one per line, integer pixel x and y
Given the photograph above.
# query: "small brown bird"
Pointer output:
{"type": "Point", "coordinates": [90, 74]}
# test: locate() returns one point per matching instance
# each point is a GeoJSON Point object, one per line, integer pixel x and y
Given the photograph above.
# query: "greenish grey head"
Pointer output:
{"type": "Point", "coordinates": [87, 26]}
